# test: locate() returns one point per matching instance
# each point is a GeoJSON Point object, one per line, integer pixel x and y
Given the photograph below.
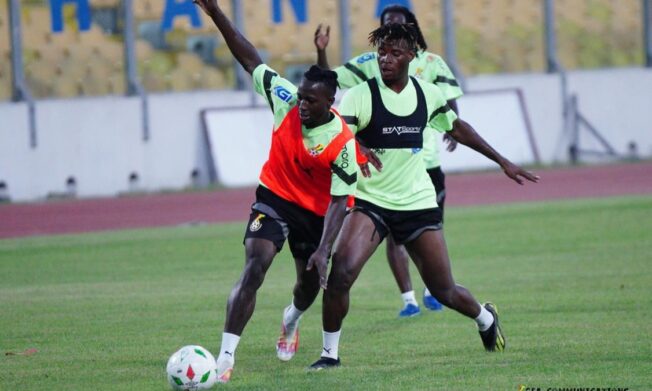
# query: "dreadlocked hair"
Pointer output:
{"type": "Point", "coordinates": [409, 18]}
{"type": "Point", "coordinates": [317, 74]}
{"type": "Point", "coordinates": [395, 32]}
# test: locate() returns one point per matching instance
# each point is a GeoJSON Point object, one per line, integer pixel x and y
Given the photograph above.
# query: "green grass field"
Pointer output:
{"type": "Point", "coordinates": [572, 281]}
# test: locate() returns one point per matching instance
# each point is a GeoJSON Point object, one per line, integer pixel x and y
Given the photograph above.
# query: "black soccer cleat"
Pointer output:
{"type": "Point", "coordinates": [324, 363]}
{"type": "Point", "coordinates": [493, 338]}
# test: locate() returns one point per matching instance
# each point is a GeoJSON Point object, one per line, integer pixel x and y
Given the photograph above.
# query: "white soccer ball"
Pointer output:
{"type": "Point", "coordinates": [191, 368]}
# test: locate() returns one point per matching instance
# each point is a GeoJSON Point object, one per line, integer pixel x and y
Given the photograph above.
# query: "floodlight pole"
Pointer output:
{"type": "Point", "coordinates": [647, 27]}
{"type": "Point", "coordinates": [242, 80]}
{"type": "Point", "coordinates": [345, 31]}
{"type": "Point", "coordinates": [19, 87]}
{"type": "Point", "coordinates": [450, 44]}
{"type": "Point", "coordinates": [238, 21]}
{"type": "Point", "coordinates": [552, 65]}
{"type": "Point", "coordinates": [134, 88]}
{"type": "Point", "coordinates": [568, 105]}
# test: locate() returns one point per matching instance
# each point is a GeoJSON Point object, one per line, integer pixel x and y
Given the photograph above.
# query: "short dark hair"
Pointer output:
{"type": "Point", "coordinates": [317, 74]}
{"type": "Point", "coordinates": [395, 32]}
{"type": "Point", "coordinates": [409, 18]}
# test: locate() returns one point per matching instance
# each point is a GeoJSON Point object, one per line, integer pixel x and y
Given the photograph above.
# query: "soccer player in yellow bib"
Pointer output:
{"type": "Point", "coordinates": [428, 67]}
{"type": "Point", "coordinates": [389, 114]}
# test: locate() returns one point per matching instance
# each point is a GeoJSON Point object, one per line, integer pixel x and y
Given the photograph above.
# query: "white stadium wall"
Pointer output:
{"type": "Point", "coordinates": [98, 141]}
{"type": "Point", "coordinates": [542, 94]}
{"type": "Point", "coordinates": [619, 107]}
{"type": "Point", "coordinates": [618, 102]}
{"type": "Point", "coordinates": [239, 142]}
{"type": "Point", "coordinates": [16, 158]}
{"type": "Point", "coordinates": [502, 118]}
{"type": "Point", "coordinates": [237, 160]}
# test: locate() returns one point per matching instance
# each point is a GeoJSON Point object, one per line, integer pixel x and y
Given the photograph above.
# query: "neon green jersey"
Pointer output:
{"type": "Point", "coordinates": [281, 95]}
{"type": "Point", "coordinates": [403, 183]}
{"type": "Point", "coordinates": [425, 66]}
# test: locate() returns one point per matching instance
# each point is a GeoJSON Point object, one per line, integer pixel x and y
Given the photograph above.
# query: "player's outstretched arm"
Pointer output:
{"type": "Point", "coordinates": [465, 134]}
{"type": "Point", "coordinates": [242, 49]}
{"type": "Point", "coordinates": [322, 38]}
{"type": "Point", "coordinates": [451, 143]}
{"type": "Point", "coordinates": [332, 224]}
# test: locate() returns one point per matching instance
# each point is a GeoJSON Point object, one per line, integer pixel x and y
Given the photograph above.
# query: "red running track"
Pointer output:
{"type": "Point", "coordinates": [74, 216]}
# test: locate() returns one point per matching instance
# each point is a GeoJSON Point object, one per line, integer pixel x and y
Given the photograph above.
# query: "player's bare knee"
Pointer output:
{"type": "Point", "coordinates": [254, 274]}
{"type": "Point", "coordinates": [308, 288]}
{"type": "Point", "coordinates": [340, 280]}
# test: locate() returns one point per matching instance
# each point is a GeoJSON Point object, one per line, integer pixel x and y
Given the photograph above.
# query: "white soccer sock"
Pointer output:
{"type": "Point", "coordinates": [331, 343]}
{"type": "Point", "coordinates": [485, 319]}
{"type": "Point", "coordinates": [291, 317]}
{"type": "Point", "coordinates": [426, 292]}
{"type": "Point", "coordinates": [408, 298]}
{"type": "Point", "coordinates": [229, 344]}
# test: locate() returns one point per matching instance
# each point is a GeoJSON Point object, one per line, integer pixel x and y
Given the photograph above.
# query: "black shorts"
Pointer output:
{"type": "Point", "coordinates": [276, 219]}
{"type": "Point", "coordinates": [404, 225]}
{"type": "Point", "coordinates": [438, 179]}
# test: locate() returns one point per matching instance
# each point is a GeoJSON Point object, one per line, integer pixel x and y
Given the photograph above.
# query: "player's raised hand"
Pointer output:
{"type": "Point", "coordinates": [322, 38]}
{"type": "Point", "coordinates": [516, 173]}
{"type": "Point", "coordinates": [208, 6]}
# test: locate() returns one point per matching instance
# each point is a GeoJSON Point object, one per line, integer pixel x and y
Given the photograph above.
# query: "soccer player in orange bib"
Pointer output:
{"type": "Point", "coordinates": [302, 194]}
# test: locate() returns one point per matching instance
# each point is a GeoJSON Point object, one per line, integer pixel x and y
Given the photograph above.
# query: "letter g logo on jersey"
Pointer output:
{"type": "Point", "coordinates": [366, 57]}
{"type": "Point", "coordinates": [283, 94]}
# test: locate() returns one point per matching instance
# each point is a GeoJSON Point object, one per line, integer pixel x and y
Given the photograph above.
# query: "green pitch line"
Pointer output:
{"type": "Point", "coordinates": [571, 280]}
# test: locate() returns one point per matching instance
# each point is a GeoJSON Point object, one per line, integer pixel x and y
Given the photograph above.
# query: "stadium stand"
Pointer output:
{"type": "Point", "coordinates": [499, 36]}
{"type": "Point", "coordinates": [493, 36]}
{"type": "Point", "coordinates": [5, 54]}
{"type": "Point", "coordinates": [73, 63]}
{"type": "Point", "coordinates": [146, 9]}
{"type": "Point", "coordinates": [599, 33]}
{"type": "Point", "coordinates": [5, 75]}
{"type": "Point", "coordinates": [5, 57]}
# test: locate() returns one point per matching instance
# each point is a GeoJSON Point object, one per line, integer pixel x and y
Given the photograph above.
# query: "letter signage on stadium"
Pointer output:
{"type": "Point", "coordinates": [186, 8]}
{"type": "Point", "coordinates": [381, 4]}
{"type": "Point", "coordinates": [174, 8]}
{"type": "Point", "coordinates": [83, 14]}
{"type": "Point", "coordinates": [298, 7]}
